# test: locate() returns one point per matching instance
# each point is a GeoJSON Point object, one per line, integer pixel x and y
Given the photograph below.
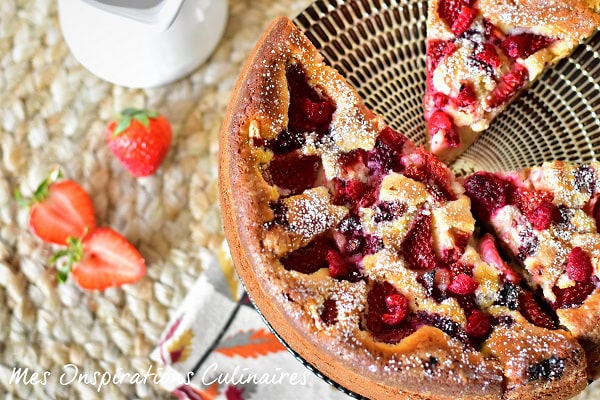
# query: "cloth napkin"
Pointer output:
{"type": "Point", "coordinates": [218, 347]}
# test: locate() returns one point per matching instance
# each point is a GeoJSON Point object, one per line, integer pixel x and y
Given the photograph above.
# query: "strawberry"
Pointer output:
{"type": "Point", "coordinates": [417, 247]}
{"type": "Point", "coordinates": [489, 254]}
{"type": "Point", "coordinates": [310, 258]}
{"type": "Point", "coordinates": [104, 258]}
{"type": "Point", "coordinates": [463, 284]}
{"type": "Point", "coordinates": [59, 210]}
{"type": "Point", "coordinates": [579, 265]}
{"type": "Point", "coordinates": [509, 86]}
{"type": "Point", "coordinates": [293, 172]}
{"type": "Point", "coordinates": [140, 140]}
{"type": "Point", "coordinates": [524, 44]}
{"type": "Point", "coordinates": [533, 312]}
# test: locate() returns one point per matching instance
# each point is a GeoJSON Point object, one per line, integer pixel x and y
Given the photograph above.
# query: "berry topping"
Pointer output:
{"type": "Point", "coordinates": [310, 258]}
{"type": "Point", "coordinates": [585, 179]}
{"type": "Point", "coordinates": [427, 168]}
{"type": "Point", "coordinates": [488, 193]}
{"type": "Point", "coordinates": [457, 14]}
{"type": "Point", "coordinates": [348, 192]}
{"type": "Point", "coordinates": [509, 86]}
{"type": "Point", "coordinates": [533, 312]}
{"type": "Point", "coordinates": [337, 265]}
{"type": "Point", "coordinates": [417, 247]}
{"type": "Point", "coordinates": [544, 215]}
{"type": "Point", "coordinates": [328, 312]}
{"type": "Point", "coordinates": [463, 284]}
{"type": "Point", "coordinates": [444, 324]}
{"type": "Point", "coordinates": [441, 122]}
{"type": "Point", "coordinates": [352, 159]}
{"type": "Point", "coordinates": [509, 296]}
{"type": "Point", "coordinates": [308, 111]}
{"type": "Point", "coordinates": [488, 55]}
{"type": "Point", "coordinates": [386, 312]}
{"type": "Point", "coordinates": [388, 150]}
{"type": "Point", "coordinates": [549, 369]}
{"type": "Point", "coordinates": [436, 50]}
{"type": "Point", "coordinates": [529, 243]}
{"type": "Point", "coordinates": [285, 142]}
{"type": "Point", "coordinates": [350, 225]}
{"type": "Point", "coordinates": [279, 215]}
{"type": "Point", "coordinates": [579, 265]}
{"type": "Point", "coordinates": [478, 325]}
{"type": "Point", "coordinates": [573, 296]}
{"type": "Point", "coordinates": [440, 100]}
{"type": "Point", "coordinates": [293, 173]}
{"type": "Point", "coordinates": [525, 44]}
{"type": "Point", "coordinates": [397, 306]}
{"type": "Point", "coordinates": [388, 211]}
{"type": "Point", "coordinates": [466, 96]}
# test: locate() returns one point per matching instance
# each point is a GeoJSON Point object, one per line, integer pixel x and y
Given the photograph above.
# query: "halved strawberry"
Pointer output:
{"type": "Point", "coordinates": [103, 259]}
{"type": "Point", "coordinates": [524, 44]}
{"type": "Point", "coordinates": [417, 247]}
{"type": "Point", "coordinates": [489, 254]}
{"type": "Point", "coordinates": [293, 172]}
{"type": "Point", "coordinates": [509, 86]}
{"type": "Point", "coordinates": [59, 210]}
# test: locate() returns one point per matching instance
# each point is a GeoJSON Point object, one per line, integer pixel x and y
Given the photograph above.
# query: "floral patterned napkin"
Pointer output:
{"type": "Point", "coordinates": [218, 347]}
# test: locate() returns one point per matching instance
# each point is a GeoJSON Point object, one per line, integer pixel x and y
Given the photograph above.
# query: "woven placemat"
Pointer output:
{"type": "Point", "coordinates": [52, 111]}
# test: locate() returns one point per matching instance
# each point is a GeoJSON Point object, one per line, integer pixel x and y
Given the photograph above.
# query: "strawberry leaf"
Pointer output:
{"type": "Point", "coordinates": [142, 118]}
{"type": "Point", "coordinates": [65, 258]}
{"type": "Point", "coordinates": [122, 125]}
{"type": "Point", "coordinates": [41, 192]}
{"type": "Point", "coordinates": [130, 111]}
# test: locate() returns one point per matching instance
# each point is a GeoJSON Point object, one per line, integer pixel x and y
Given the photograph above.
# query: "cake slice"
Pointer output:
{"type": "Point", "coordinates": [482, 54]}
{"type": "Point", "coordinates": [548, 217]}
{"type": "Point", "coordinates": [360, 250]}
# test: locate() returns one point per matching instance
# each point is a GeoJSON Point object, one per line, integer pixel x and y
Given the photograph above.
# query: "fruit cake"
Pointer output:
{"type": "Point", "coordinates": [360, 248]}
{"type": "Point", "coordinates": [482, 53]}
{"type": "Point", "coordinates": [548, 219]}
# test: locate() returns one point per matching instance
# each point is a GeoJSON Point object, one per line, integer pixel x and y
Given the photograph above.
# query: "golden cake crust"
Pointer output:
{"type": "Point", "coordinates": [428, 364]}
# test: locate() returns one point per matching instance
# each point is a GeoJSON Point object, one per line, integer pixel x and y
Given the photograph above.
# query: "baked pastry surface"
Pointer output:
{"type": "Point", "coordinates": [361, 251]}
{"type": "Point", "coordinates": [482, 54]}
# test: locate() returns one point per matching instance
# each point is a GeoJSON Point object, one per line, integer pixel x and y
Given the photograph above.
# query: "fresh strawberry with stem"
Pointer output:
{"type": "Point", "coordinates": [59, 209]}
{"type": "Point", "coordinates": [140, 139]}
{"type": "Point", "coordinates": [102, 259]}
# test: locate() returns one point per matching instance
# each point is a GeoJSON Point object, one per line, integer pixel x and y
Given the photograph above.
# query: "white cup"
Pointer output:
{"type": "Point", "coordinates": [142, 43]}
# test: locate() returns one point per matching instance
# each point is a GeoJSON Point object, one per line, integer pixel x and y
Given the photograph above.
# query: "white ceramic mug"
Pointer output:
{"type": "Point", "coordinates": [142, 43]}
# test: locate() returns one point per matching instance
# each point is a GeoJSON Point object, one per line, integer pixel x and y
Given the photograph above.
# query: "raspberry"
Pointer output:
{"type": "Point", "coordinates": [579, 265]}
{"type": "Point", "coordinates": [544, 215]}
{"type": "Point", "coordinates": [384, 299]}
{"type": "Point", "coordinates": [308, 111]}
{"type": "Point", "coordinates": [440, 100]}
{"type": "Point", "coordinates": [509, 86]}
{"type": "Point", "coordinates": [348, 191]}
{"type": "Point", "coordinates": [457, 14]}
{"type": "Point", "coordinates": [425, 167]}
{"type": "Point", "coordinates": [310, 258]}
{"type": "Point", "coordinates": [350, 160]}
{"type": "Point", "coordinates": [525, 44]}
{"type": "Point", "coordinates": [463, 21]}
{"type": "Point", "coordinates": [466, 95]}
{"type": "Point", "coordinates": [417, 247]}
{"type": "Point", "coordinates": [328, 312]}
{"type": "Point", "coordinates": [293, 172]}
{"type": "Point", "coordinates": [533, 312]}
{"type": "Point", "coordinates": [488, 55]}
{"type": "Point", "coordinates": [389, 148]}
{"type": "Point", "coordinates": [478, 324]}
{"type": "Point", "coordinates": [397, 306]}
{"type": "Point", "coordinates": [487, 192]}
{"type": "Point", "coordinates": [573, 296]}
{"type": "Point", "coordinates": [528, 200]}
{"type": "Point", "coordinates": [337, 265]}
{"type": "Point", "coordinates": [436, 50]}
{"type": "Point", "coordinates": [441, 122]}
{"type": "Point", "coordinates": [463, 284]}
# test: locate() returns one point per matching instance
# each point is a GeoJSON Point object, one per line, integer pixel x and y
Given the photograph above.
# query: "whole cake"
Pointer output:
{"type": "Point", "coordinates": [482, 54]}
{"type": "Point", "coordinates": [361, 250]}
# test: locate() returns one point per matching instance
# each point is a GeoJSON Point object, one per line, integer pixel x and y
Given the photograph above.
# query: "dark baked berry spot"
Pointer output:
{"type": "Point", "coordinates": [279, 215]}
{"type": "Point", "coordinates": [444, 324]}
{"type": "Point", "coordinates": [505, 321]}
{"type": "Point", "coordinates": [488, 193]}
{"type": "Point", "coordinates": [509, 296]}
{"type": "Point", "coordinates": [549, 369]}
{"type": "Point", "coordinates": [596, 215]}
{"type": "Point", "coordinates": [529, 244]}
{"type": "Point", "coordinates": [388, 211]}
{"type": "Point", "coordinates": [584, 179]}
{"type": "Point", "coordinates": [293, 173]}
{"type": "Point", "coordinates": [285, 142]}
{"type": "Point", "coordinates": [328, 312]}
{"type": "Point", "coordinates": [308, 259]}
